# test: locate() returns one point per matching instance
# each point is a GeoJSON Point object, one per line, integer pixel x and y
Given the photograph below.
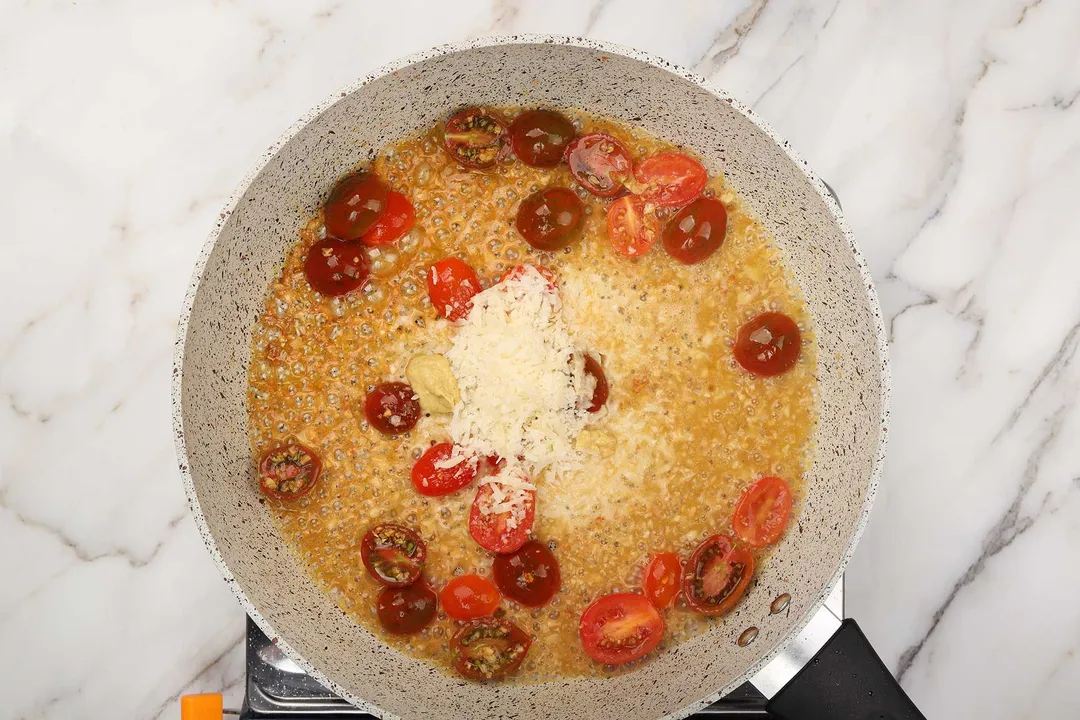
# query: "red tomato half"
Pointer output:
{"type": "Point", "coordinates": [769, 344]}
{"type": "Point", "coordinates": [540, 137]}
{"type": "Point", "coordinates": [762, 512]}
{"type": "Point", "coordinates": [393, 554]}
{"type": "Point", "coordinates": [518, 270]}
{"type": "Point", "coordinates": [488, 648]}
{"type": "Point", "coordinates": [529, 576]}
{"type": "Point", "coordinates": [717, 575]}
{"type": "Point", "coordinates": [550, 219]}
{"type": "Point", "coordinates": [407, 610]}
{"type": "Point", "coordinates": [356, 203]}
{"type": "Point", "coordinates": [392, 408]}
{"type": "Point", "coordinates": [451, 284]}
{"type": "Point", "coordinates": [670, 179]}
{"type": "Point", "coordinates": [289, 472]}
{"type": "Point", "coordinates": [696, 231]}
{"type": "Point", "coordinates": [475, 139]}
{"type": "Point", "coordinates": [619, 628]}
{"type": "Point", "coordinates": [335, 267]}
{"type": "Point", "coordinates": [601, 391]}
{"type": "Point", "coordinates": [599, 163]}
{"type": "Point", "coordinates": [662, 578]}
{"type": "Point", "coordinates": [436, 481]}
{"type": "Point", "coordinates": [500, 532]}
{"type": "Point", "coordinates": [632, 227]}
{"type": "Point", "coordinates": [398, 219]}
{"type": "Point", "coordinates": [469, 596]}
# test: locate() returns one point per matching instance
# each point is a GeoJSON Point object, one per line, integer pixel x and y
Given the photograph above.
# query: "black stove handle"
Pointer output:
{"type": "Point", "coordinates": [845, 680]}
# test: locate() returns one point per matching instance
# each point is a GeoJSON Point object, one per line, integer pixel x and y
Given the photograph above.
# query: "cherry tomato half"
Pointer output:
{"type": "Point", "coordinates": [762, 512]}
{"type": "Point", "coordinates": [392, 408]}
{"type": "Point", "coordinates": [406, 610]}
{"type": "Point", "coordinates": [540, 137]}
{"type": "Point", "coordinates": [451, 284]}
{"type": "Point", "coordinates": [696, 231]}
{"type": "Point", "coordinates": [335, 267]}
{"type": "Point", "coordinates": [468, 597]}
{"type": "Point", "coordinates": [599, 163]}
{"type": "Point", "coordinates": [769, 344]}
{"type": "Point", "coordinates": [518, 270]}
{"type": "Point", "coordinates": [398, 219]}
{"type": "Point", "coordinates": [289, 471]}
{"type": "Point", "coordinates": [488, 648]}
{"type": "Point", "coordinates": [431, 480]}
{"type": "Point", "coordinates": [529, 576]}
{"type": "Point", "coordinates": [356, 203]}
{"type": "Point", "coordinates": [717, 575]}
{"type": "Point", "coordinates": [549, 219]}
{"type": "Point", "coordinates": [632, 226]}
{"type": "Point", "coordinates": [601, 391]}
{"type": "Point", "coordinates": [619, 628]}
{"type": "Point", "coordinates": [393, 554]}
{"type": "Point", "coordinates": [670, 179]}
{"type": "Point", "coordinates": [661, 579]}
{"type": "Point", "coordinates": [500, 532]}
{"type": "Point", "coordinates": [475, 139]}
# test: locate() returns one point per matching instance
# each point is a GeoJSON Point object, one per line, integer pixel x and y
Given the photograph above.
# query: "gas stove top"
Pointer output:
{"type": "Point", "coordinates": [277, 689]}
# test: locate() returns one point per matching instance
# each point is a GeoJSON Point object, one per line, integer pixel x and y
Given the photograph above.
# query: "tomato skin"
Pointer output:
{"type": "Point", "coordinates": [475, 139]}
{"type": "Point", "coordinates": [488, 648]}
{"type": "Point", "coordinates": [550, 219]}
{"type": "Point", "coordinates": [620, 628]}
{"type": "Point", "coordinates": [399, 218]}
{"type": "Point", "coordinates": [661, 579]}
{"type": "Point", "coordinates": [696, 231]}
{"type": "Point", "coordinates": [632, 226]}
{"type": "Point", "coordinates": [717, 575]}
{"type": "Point", "coordinates": [334, 267]}
{"type": "Point", "coordinates": [393, 554]}
{"type": "Point", "coordinates": [762, 512]}
{"type": "Point", "coordinates": [436, 482]}
{"type": "Point", "coordinates": [451, 286]}
{"type": "Point", "coordinates": [529, 576]}
{"type": "Point", "coordinates": [518, 270]}
{"type": "Point", "coordinates": [468, 597]}
{"type": "Point", "coordinates": [356, 203]}
{"type": "Point", "coordinates": [492, 531]}
{"type": "Point", "coordinates": [768, 345]}
{"type": "Point", "coordinates": [670, 179]}
{"type": "Point", "coordinates": [599, 163]}
{"type": "Point", "coordinates": [540, 137]}
{"type": "Point", "coordinates": [406, 610]}
{"type": "Point", "coordinates": [602, 390]}
{"type": "Point", "coordinates": [289, 472]}
{"type": "Point", "coordinates": [392, 408]}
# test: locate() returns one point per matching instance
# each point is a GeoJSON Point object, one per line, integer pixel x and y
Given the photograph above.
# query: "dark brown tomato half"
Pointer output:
{"type": "Point", "coordinates": [599, 163]}
{"type": "Point", "coordinates": [488, 648]}
{"type": "Point", "coordinates": [392, 408]}
{"type": "Point", "coordinates": [335, 267]}
{"type": "Point", "coordinates": [549, 219]}
{"type": "Point", "coordinates": [540, 137]}
{"type": "Point", "coordinates": [475, 139]}
{"type": "Point", "coordinates": [407, 610]}
{"type": "Point", "coordinates": [356, 203]}
{"type": "Point", "coordinates": [289, 471]}
{"type": "Point", "coordinates": [393, 554]}
{"type": "Point", "coordinates": [529, 576]}
{"type": "Point", "coordinates": [717, 575]}
{"type": "Point", "coordinates": [696, 231]}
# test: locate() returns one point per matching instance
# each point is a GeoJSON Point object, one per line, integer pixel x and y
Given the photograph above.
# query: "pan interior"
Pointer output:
{"type": "Point", "coordinates": [250, 248]}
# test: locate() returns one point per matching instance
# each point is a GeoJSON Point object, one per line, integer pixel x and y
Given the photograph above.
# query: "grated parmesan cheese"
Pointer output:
{"type": "Point", "coordinates": [524, 392]}
{"type": "Point", "coordinates": [510, 493]}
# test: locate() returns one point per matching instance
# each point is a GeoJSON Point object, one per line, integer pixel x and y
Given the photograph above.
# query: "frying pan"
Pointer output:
{"type": "Point", "coordinates": [246, 250]}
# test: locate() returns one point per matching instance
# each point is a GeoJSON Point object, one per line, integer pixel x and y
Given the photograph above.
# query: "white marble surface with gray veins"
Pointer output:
{"type": "Point", "coordinates": [949, 128]}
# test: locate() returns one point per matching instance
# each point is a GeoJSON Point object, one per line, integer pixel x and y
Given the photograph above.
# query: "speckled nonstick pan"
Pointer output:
{"type": "Point", "coordinates": [245, 252]}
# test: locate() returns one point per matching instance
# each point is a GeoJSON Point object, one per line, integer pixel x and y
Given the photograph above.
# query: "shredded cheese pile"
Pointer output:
{"type": "Point", "coordinates": [509, 490]}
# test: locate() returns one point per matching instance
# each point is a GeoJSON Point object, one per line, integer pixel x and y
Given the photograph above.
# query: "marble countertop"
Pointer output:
{"type": "Point", "coordinates": [947, 128]}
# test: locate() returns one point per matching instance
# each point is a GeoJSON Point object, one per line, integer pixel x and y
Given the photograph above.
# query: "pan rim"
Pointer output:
{"type": "Point", "coordinates": [827, 198]}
